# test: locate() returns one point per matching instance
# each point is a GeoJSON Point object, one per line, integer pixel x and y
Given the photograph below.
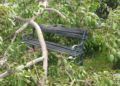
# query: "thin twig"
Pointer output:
{"type": "Point", "coordinates": [5, 56]}
{"type": "Point", "coordinates": [44, 57]}
{"type": "Point", "coordinates": [21, 67]}
{"type": "Point", "coordinates": [72, 83]}
{"type": "Point", "coordinates": [55, 10]}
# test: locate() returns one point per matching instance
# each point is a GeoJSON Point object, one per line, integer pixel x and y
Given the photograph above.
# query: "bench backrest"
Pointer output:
{"type": "Point", "coordinates": [67, 32]}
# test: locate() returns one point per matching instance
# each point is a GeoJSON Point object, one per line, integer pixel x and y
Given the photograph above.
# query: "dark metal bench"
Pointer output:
{"type": "Point", "coordinates": [75, 50]}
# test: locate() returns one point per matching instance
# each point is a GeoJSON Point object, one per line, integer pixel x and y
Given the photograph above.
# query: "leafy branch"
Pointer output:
{"type": "Point", "coordinates": [42, 43]}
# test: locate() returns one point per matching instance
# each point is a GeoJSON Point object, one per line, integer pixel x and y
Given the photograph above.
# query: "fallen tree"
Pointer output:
{"type": "Point", "coordinates": [44, 57]}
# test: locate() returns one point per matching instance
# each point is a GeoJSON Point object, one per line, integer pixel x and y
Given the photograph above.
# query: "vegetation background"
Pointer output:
{"type": "Point", "coordinates": [102, 49]}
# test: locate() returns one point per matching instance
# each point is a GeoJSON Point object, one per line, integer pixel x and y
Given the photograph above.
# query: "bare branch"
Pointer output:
{"type": "Point", "coordinates": [72, 83]}
{"type": "Point", "coordinates": [5, 56]}
{"type": "Point", "coordinates": [21, 19]}
{"type": "Point", "coordinates": [21, 67]}
{"type": "Point", "coordinates": [40, 13]}
{"type": "Point", "coordinates": [5, 74]}
{"type": "Point", "coordinates": [19, 31]}
{"type": "Point", "coordinates": [40, 38]}
{"type": "Point", "coordinates": [44, 57]}
{"type": "Point", "coordinates": [55, 10]}
{"type": "Point", "coordinates": [43, 2]}
{"type": "Point", "coordinates": [43, 47]}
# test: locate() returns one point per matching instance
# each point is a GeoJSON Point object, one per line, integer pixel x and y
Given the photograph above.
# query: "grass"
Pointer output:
{"type": "Point", "coordinates": [58, 69]}
{"type": "Point", "coordinates": [97, 63]}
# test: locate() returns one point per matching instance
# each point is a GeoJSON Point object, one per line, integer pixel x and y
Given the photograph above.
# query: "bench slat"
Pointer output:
{"type": "Point", "coordinates": [68, 32]}
{"type": "Point", "coordinates": [54, 47]}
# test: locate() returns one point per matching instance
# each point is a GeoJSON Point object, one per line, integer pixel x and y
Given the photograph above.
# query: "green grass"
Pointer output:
{"type": "Point", "coordinates": [98, 62]}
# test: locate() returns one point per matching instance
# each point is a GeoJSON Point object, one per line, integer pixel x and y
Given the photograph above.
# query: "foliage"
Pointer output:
{"type": "Point", "coordinates": [103, 37]}
{"type": "Point", "coordinates": [104, 8]}
{"type": "Point", "coordinates": [5, 20]}
{"type": "Point", "coordinates": [104, 34]}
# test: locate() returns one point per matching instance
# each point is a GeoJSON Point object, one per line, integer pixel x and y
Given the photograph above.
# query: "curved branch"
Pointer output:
{"type": "Point", "coordinates": [5, 56]}
{"type": "Point", "coordinates": [42, 43]}
{"type": "Point", "coordinates": [44, 57]}
{"type": "Point", "coordinates": [44, 53]}
{"type": "Point", "coordinates": [21, 67]}
{"type": "Point", "coordinates": [55, 10]}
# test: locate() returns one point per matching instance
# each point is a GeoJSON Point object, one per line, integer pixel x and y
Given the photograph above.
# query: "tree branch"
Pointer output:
{"type": "Point", "coordinates": [44, 57]}
{"type": "Point", "coordinates": [5, 56]}
{"type": "Point", "coordinates": [21, 67]}
{"type": "Point", "coordinates": [55, 10]}
{"type": "Point", "coordinates": [43, 45]}
{"type": "Point", "coordinates": [43, 48]}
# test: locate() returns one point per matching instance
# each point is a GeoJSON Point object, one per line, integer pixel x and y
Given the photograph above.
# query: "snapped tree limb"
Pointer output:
{"type": "Point", "coordinates": [44, 57]}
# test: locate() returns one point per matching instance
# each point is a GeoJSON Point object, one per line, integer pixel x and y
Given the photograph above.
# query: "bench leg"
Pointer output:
{"type": "Point", "coordinates": [81, 60]}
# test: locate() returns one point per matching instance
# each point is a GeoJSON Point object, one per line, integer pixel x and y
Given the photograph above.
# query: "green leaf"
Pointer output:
{"type": "Point", "coordinates": [118, 54]}
{"type": "Point", "coordinates": [111, 58]}
{"type": "Point", "coordinates": [114, 26]}
{"type": "Point", "coordinates": [113, 50]}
